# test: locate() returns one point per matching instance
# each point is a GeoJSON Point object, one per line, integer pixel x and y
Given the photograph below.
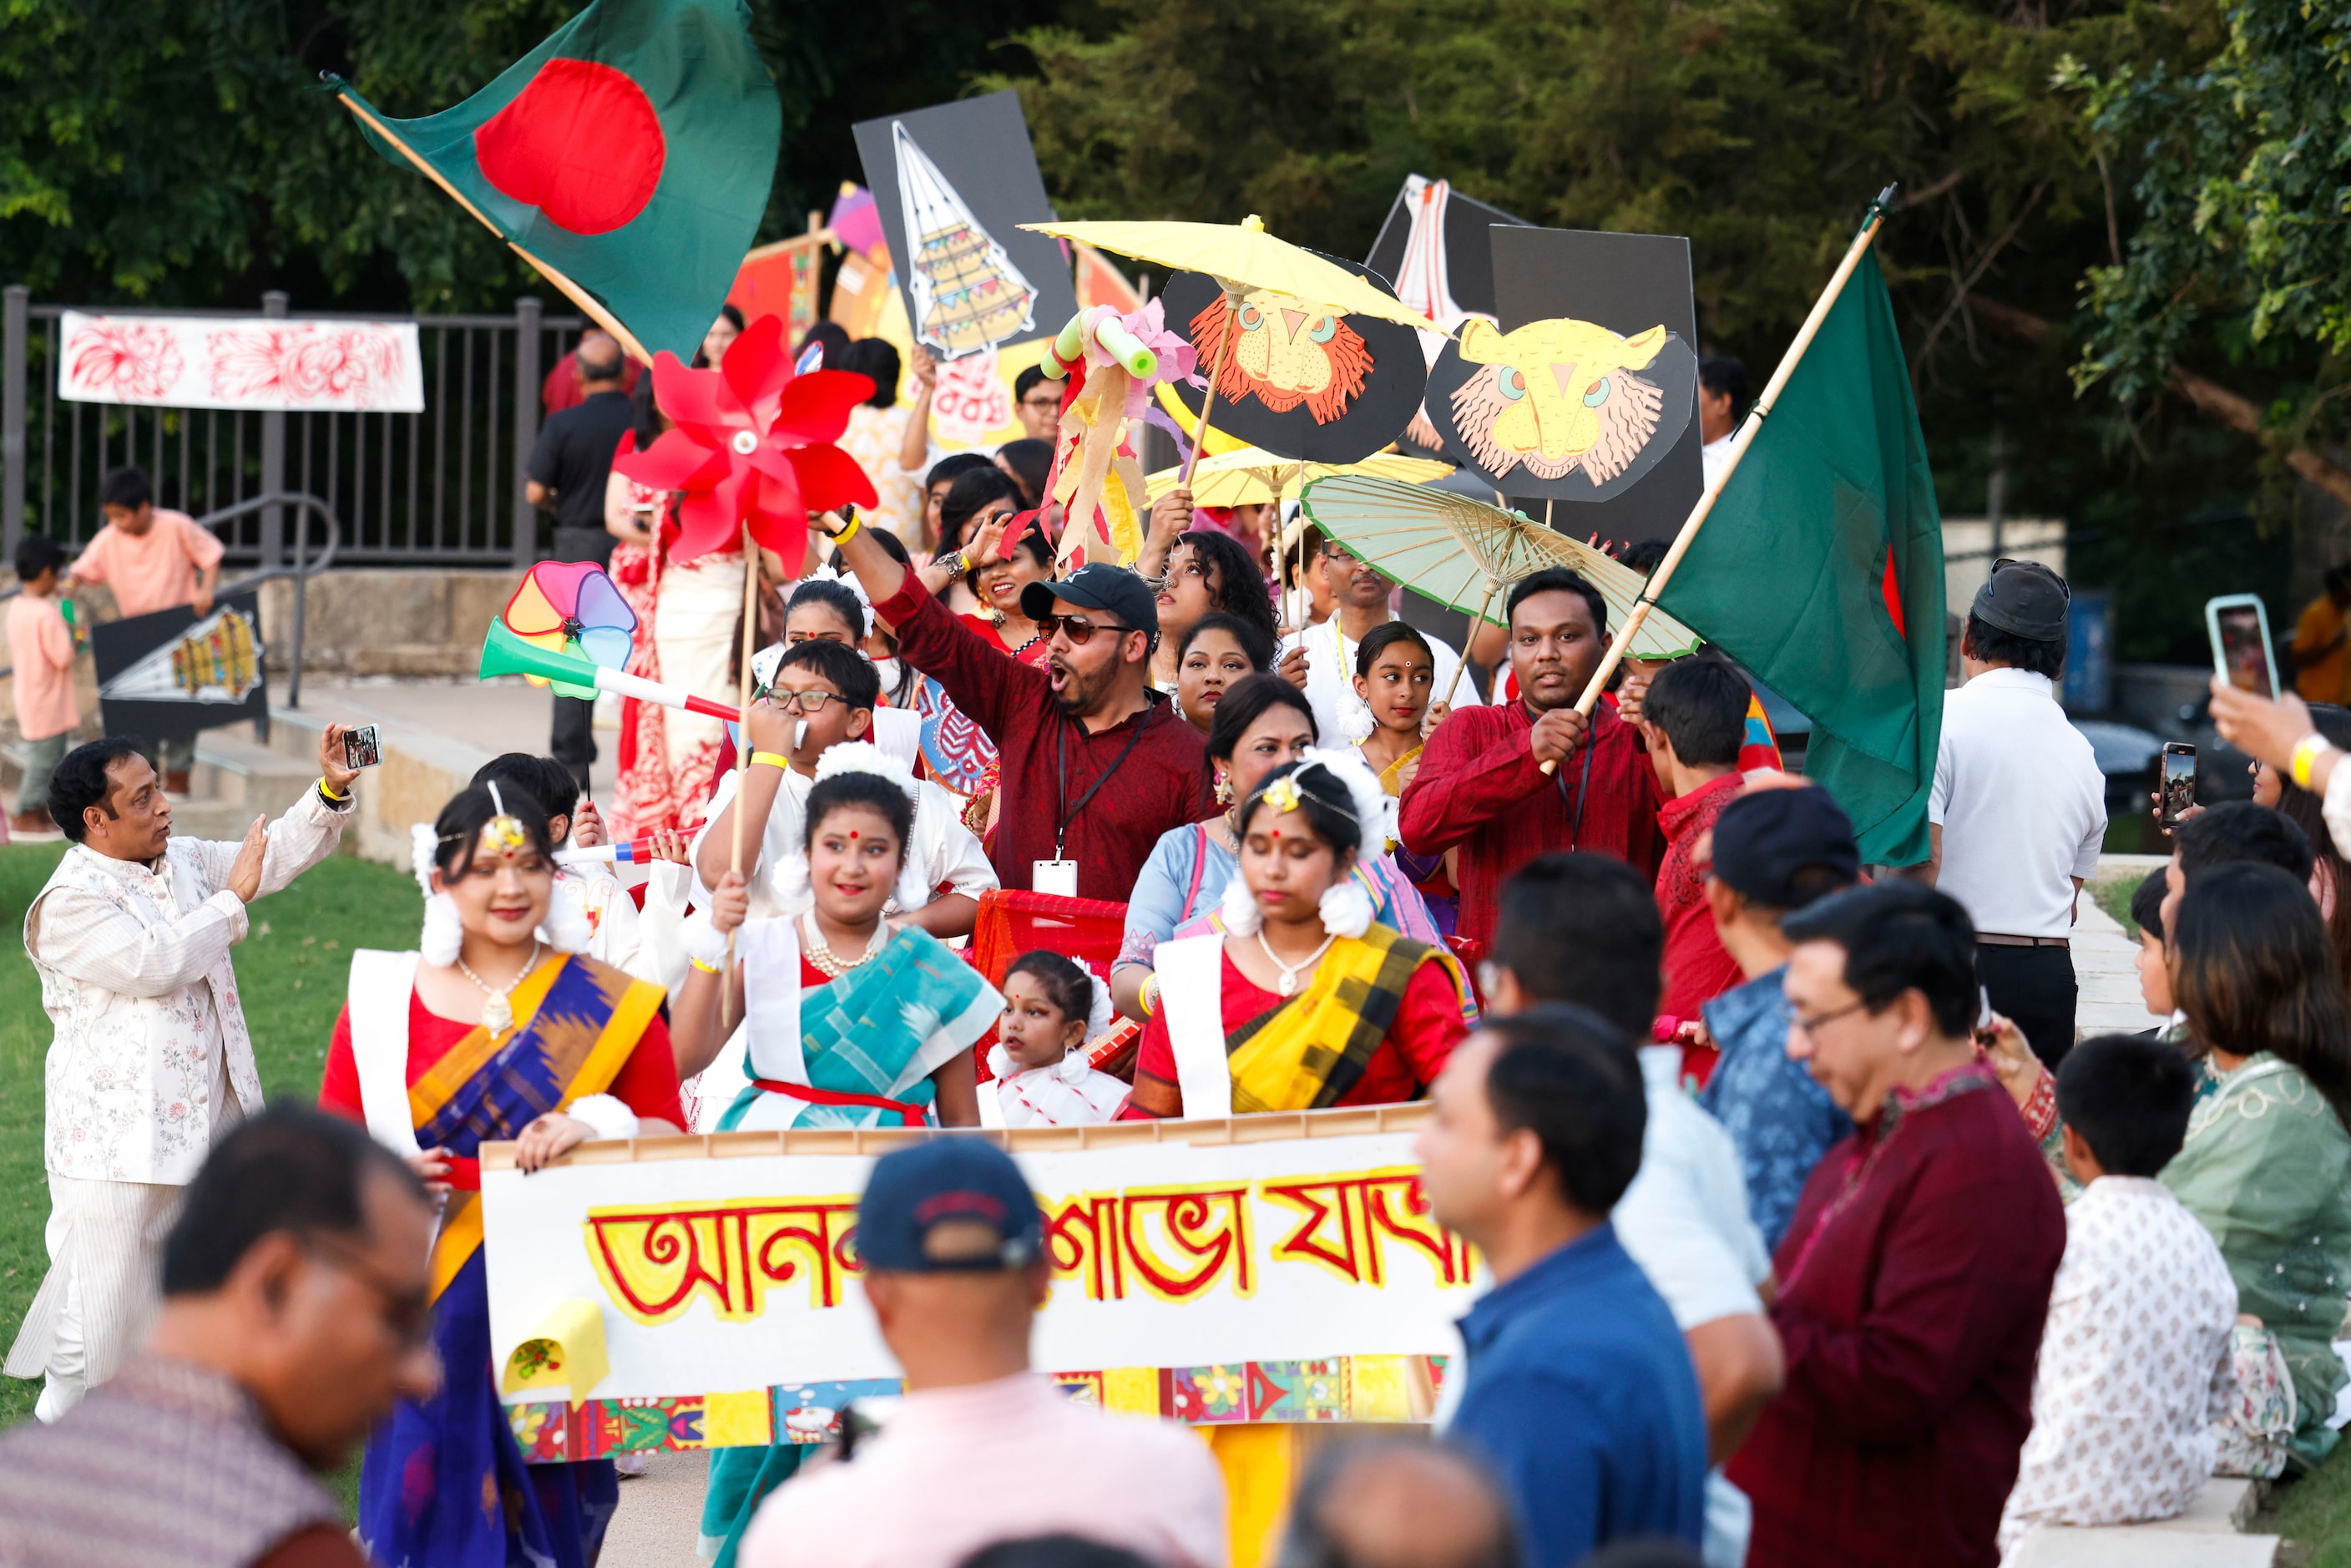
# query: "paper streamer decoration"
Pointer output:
{"type": "Point", "coordinates": [566, 1349]}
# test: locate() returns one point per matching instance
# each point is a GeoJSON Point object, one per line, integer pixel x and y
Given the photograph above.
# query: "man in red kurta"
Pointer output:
{"type": "Point", "coordinates": [1481, 787]}
{"type": "Point", "coordinates": [1915, 1276]}
{"type": "Point", "coordinates": [1693, 720]}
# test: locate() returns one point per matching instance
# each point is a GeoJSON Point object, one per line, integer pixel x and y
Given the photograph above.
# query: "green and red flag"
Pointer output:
{"type": "Point", "coordinates": [628, 158]}
{"type": "Point", "coordinates": [1821, 570]}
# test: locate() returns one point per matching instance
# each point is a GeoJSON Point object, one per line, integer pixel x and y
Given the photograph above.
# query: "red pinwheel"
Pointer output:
{"type": "Point", "coordinates": [752, 446]}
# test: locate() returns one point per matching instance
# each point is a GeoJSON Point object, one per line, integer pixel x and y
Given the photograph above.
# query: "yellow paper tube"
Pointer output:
{"type": "Point", "coordinates": [566, 1350]}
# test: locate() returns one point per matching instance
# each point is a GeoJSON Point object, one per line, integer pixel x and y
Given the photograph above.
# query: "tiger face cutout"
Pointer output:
{"type": "Point", "coordinates": [1556, 396]}
{"type": "Point", "coordinates": [1285, 351]}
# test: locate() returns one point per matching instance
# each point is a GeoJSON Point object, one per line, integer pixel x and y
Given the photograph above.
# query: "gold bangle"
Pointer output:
{"type": "Point", "coordinates": [329, 794]}
{"type": "Point", "coordinates": [705, 968]}
{"type": "Point", "coordinates": [1148, 998]}
{"type": "Point", "coordinates": [772, 758]}
{"type": "Point", "coordinates": [2307, 753]}
{"type": "Point", "coordinates": [848, 533]}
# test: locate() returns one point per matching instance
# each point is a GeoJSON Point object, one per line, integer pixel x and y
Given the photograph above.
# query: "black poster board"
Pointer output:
{"type": "Point", "coordinates": [169, 676]}
{"type": "Point", "coordinates": [1628, 283]}
{"type": "Point", "coordinates": [975, 181]}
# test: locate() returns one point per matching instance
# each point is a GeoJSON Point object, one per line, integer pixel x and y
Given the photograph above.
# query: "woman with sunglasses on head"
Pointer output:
{"type": "Point", "coordinates": [439, 1052]}
{"type": "Point", "coordinates": [1263, 723]}
{"type": "Point", "coordinates": [1208, 573]}
{"type": "Point", "coordinates": [1303, 1002]}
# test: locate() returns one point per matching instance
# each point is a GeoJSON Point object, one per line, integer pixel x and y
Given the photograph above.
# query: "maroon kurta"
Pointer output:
{"type": "Point", "coordinates": [1910, 1321]}
{"type": "Point", "coordinates": [1162, 783]}
{"type": "Point", "coordinates": [1479, 787]}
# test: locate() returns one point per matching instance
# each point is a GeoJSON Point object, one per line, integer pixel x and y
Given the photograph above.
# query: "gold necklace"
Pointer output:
{"type": "Point", "coordinates": [820, 953]}
{"type": "Point", "coordinates": [497, 1012]}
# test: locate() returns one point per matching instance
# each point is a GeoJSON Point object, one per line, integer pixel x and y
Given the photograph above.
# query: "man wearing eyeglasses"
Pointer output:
{"type": "Point", "coordinates": [1040, 402]}
{"type": "Point", "coordinates": [821, 695]}
{"type": "Point", "coordinates": [1093, 764]}
{"type": "Point", "coordinates": [2018, 811]}
{"type": "Point", "coordinates": [1913, 1279]}
{"type": "Point", "coordinates": [296, 1290]}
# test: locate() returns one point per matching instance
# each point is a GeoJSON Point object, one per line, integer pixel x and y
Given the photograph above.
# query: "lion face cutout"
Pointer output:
{"type": "Point", "coordinates": [1555, 396]}
{"type": "Point", "coordinates": [1289, 351]}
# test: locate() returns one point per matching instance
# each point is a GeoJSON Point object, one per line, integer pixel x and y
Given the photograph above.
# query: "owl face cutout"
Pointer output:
{"type": "Point", "coordinates": [1556, 396]}
{"type": "Point", "coordinates": [1285, 351]}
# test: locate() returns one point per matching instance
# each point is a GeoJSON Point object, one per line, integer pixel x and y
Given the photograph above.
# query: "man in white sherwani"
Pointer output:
{"type": "Point", "coordinates": [151, 1063]}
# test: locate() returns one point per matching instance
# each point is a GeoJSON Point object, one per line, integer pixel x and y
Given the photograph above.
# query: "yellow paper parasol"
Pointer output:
{"type": "Point", "coordinates": [1252, 476]}
{"type": "Point", "coordinates": [1242, 257]}
{"type": "Point", "coordinates": [1466, 554]}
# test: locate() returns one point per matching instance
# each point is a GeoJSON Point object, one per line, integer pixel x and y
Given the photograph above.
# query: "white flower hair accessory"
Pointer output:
{"type": "Point", "coordinates": [1355, 721]}
{"type": "Point", "coordinates": [864, 757]}
{"type": "Point", "coordinates": [1346, 908]}
{"type": "Point", "coordinates": [444, 934]}
{"type": "Point", "coordinates": [1368, 802]}
{"type": "Point", "coordinates": [1097, 1017]}
{"type": "Point", "coordinates": [567, 927]}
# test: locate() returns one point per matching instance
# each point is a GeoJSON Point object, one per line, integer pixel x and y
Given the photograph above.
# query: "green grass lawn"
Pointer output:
{"type": "Point", "coordinates": [291, 971]}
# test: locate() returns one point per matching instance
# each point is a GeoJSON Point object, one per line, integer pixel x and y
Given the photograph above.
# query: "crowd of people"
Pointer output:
{"type": "Point", "coordinates": [1812, 1234]}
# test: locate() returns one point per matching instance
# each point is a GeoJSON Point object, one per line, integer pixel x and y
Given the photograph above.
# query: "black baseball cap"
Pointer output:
{"type": "Point", "coordinates": [1098, 586]}
{"type": "Point", "coordinates": [948, 1204]}
{"type": "Point", "coordinates": [2024, 599]}
{"type": "Point", "coordinates": [1766, 836]}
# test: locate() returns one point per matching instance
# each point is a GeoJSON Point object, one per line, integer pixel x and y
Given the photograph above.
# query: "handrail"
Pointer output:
{"type": "Point", "coordinates": [305, 505]}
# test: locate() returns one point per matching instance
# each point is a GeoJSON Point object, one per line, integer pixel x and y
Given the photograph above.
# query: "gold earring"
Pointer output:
{"type": "Point", "coordinates": [1224, 790]}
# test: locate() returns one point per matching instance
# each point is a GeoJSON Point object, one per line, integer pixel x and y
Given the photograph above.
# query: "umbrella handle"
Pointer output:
{"type": "Point", "coordinates": [1208, 402]}
{"type": "Point", "coordinates": [1462, 662]}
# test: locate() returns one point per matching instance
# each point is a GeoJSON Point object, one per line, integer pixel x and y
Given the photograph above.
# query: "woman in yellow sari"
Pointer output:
{"type": "Point", "coordinates": [1301, 1001]}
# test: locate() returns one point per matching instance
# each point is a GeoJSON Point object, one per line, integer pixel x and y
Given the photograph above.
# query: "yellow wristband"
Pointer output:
{"type": "Point", "coordinates": [845, 535]}
{"type": "Point", "coordinates": [1149, 996]}
{"type": "Point", "coordinates": [329, 794]}
{"type": "Point", "coordinates": [705, 968]}
{"type": "Point", "coordinates": [2307, 753]}
{"type": "Point", "coordinates": [772, 758]}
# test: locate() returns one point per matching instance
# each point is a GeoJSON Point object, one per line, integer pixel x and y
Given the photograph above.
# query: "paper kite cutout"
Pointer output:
{"type": "Point", "coordinates": [967, 292]}
{"type": "Point", "coordinates": [1563, 409]}
{"type": "Point", "coordinates": [572, 607]}
{"type": "Point", "coordinates": [752, 444]}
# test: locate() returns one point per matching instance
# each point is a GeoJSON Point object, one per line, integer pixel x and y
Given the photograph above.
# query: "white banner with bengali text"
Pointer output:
{"type": "Point", "coordinates": [264, 363]}
{"type": "Point", "coordinates": [1288, 1269]}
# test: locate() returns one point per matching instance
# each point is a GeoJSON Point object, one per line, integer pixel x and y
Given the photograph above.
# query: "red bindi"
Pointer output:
{"type": "Point", "coordinates": [852, 835]}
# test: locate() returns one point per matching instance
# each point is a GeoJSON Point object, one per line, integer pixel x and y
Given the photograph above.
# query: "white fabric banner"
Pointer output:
{"type": "Point", "coordinates": [1305, 1239]}
{"type": "Point", "coordinates": [268, 363]}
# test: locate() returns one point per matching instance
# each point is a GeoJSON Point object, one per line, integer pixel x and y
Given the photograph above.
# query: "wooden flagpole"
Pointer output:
{"type": "Point", "coordinates": [1738, 446]}
{"type": "Point", "coordinates": [580, 297]}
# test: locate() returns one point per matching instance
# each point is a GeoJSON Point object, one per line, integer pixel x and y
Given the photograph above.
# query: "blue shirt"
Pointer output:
{"type": "Point", "coordinates": [1780, 1120]}
{"type": "Point", "coordinates": [1579, 1394]}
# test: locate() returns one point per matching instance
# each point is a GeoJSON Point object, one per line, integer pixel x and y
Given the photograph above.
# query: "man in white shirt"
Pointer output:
{"type": "Point", "coordinates": [1586, 932]}
{"type": "Point", "coordinates": [1721, 399]}
{"type": "Point", "coordinates": [151, 1064]}
{"type": "Point", "coordinates": [1359, 597]}
{"type": "Point", "coordinates": [2017, 811]}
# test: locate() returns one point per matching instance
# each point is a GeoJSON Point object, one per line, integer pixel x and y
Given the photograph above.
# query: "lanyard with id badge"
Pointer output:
{"type": "Point", "coordinates": [1058, 876]}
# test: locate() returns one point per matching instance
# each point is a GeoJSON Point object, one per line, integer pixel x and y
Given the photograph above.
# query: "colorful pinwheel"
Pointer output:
{"type": "Point", "coordinates": [572, 607]}
{"type": "Point", "coordinates": [752, 446]}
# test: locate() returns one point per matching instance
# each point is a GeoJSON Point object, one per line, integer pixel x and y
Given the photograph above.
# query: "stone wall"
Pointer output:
{"type": "Point", "coordinates": [369, 621]}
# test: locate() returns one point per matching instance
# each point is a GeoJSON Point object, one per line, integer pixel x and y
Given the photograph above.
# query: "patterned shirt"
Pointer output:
{"type": "Point", "coordinates": [2135, 1364]}
{"type": "Point", "coordinates": [1779, 1119]}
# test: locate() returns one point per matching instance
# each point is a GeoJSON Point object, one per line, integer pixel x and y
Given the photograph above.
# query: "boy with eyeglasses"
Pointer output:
{"type": "Point", "coordinates": [822, 695]}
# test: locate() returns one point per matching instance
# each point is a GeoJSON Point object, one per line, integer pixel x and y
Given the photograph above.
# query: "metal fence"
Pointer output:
{"type": "Point", "coordinates": [443, 487]}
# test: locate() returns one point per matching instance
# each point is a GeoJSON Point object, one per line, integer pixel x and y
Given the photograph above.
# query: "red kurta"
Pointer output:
{"type": "Point", "coordinates": [1910, 1324]}
{"type": "Point", "coordinates": [1048, 761]}
{"type": "Point", "coordinates": [1479, 787]}
{"type": "Point", "coordinates": [1698, 970]}
{"type": "Point", "coordinates": [647, 1081]}
{"type": "Point", "coordinates": [1419, 1043]}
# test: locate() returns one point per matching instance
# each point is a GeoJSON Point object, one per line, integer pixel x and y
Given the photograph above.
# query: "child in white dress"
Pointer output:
{"type": "Point", "coordinates": [1052, 1008]}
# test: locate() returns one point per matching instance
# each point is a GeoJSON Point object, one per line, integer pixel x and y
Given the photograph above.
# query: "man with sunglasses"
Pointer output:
{"type": "Point", "coordinates": [2018, 811]}
{"type": "Point", "coordinates": [820, 695]}
{"type": "Point", "coordinates": [1093, 764]}
{"type": "Point", "coordinates": [296, 1290]}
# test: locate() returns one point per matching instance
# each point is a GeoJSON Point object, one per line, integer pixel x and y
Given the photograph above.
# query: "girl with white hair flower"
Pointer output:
{"type": "Point", "coordinates": [1303, 1002]}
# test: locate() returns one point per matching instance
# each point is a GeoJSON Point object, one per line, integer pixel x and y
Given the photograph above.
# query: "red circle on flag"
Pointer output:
{"type": "Point", "coordinates": [581, 143]}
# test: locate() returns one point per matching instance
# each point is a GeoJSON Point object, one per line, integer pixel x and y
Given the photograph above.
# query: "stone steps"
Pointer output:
{"type": "Point", "coordinates": [2208, 1535]}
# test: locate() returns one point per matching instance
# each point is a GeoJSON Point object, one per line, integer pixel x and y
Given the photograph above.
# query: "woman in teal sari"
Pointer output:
{"type": "Point", "coordinates": [2267, 1162]}
{"type": "Point", "coordinates": [849, 1020]}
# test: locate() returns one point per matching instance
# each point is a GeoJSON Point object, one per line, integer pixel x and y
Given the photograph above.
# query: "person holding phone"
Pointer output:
{"type": "Point", "coordinates": [2018, 811]}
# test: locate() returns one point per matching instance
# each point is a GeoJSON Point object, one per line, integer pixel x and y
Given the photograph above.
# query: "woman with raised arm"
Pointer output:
{"type": "Point", "coordinates": [440, 1051]}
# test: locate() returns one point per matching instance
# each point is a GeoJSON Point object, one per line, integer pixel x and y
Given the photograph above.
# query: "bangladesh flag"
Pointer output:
{"type": "Point", "coordinates": [1821, 570]}
{"type": "Point", "coordinates": [628, 158]}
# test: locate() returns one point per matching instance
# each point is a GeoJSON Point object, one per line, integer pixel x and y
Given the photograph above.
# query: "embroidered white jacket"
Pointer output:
{"type": "Point", "coordinates": [135, 975]}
